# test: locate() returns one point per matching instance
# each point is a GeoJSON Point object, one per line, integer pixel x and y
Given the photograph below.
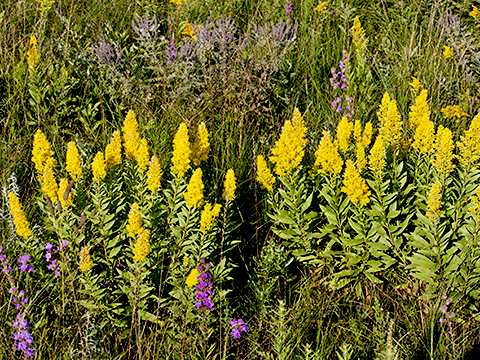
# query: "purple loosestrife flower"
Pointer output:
{"type": "Point", "coordinates": [288, 7]}
{"type": "Point", "coordinates": [23, 260]}
{"type": "Point", "coordinates": [204, 287]}
{"type": "Point", "coordinates": [444, 309]}
{"type": "Point", "coordinates": [238, 326]}
{"type": "Point", "coordinates": [52, 263]}
{"type": "Point", "coordinates": [339, 81]}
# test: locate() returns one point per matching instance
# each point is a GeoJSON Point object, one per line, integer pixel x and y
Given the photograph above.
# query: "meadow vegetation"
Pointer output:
{"type": "Point", "coordinates": [239, 180]}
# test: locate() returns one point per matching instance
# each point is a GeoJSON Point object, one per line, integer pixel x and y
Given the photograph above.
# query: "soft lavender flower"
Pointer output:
{"type": "Point", "coordinates": [12, 290]}
{"type": "Point", "coordinates": [3, 257]}
{"type": "Point", "coordinates": [63, 244]}
{"type": "Point", "coordinates": [48, 246]}
{"type": "Point", "coordinates": [238, 326]}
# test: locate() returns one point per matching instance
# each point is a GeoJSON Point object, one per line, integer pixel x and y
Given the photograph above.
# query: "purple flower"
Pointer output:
{"type": "Point", "coordinates": [64, 244]}
{"type": "Point", "coordinates": [24, 259]}
{"type": "Point", "coordinates": [48, 256]}
{"type": "Point", "coordinates": [3, 257]}
{"type": "Point", "coordinates": [288, 7]}
{"type": "Point", "coordinates": [238, 326]}
{"type": "Point", "coordinates": [48, 246]}
{"type": "Point", "coordinates": [12, 290]}
{"type": "Point", "coordinates": [443, 308]}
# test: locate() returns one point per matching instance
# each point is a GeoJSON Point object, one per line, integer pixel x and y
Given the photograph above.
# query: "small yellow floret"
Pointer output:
{"type": "Point", "coordinates": [469, 144]}
{"type": "Point", "coordinates": [359, 36]}
{"type": "Point", "coordinates": [32, 55]}
{"type": "Point", "coordinates": [377, 156]}
{"type": "Point", "coordinates": [134, 226]}
{"type": "Point", "coordinates": [49, 184]}
{"type": "Point", "coordinates": [390, 123]}
{"type": "Point", "coordinates": [181, 151]}
{"type": "Point", "coordinates": [416, 84]}
{"type": "Point", "coordinates": [322, 7]}
{"type": "Point", "coordinates": [443, 150]}
{"type": "Point", "coordinates": [474, 12]}
{"type": "Point", "coordinates": [142, 247]}
{"type": "Point", "coordinates": [419, 112]}
{"type": "Point", "coordinates": [344, 133]}
{"type": "Point", "coordinates": [98, 167]}
{"type": "Point", "coordinates": [453, 111]}
{"type": "Point", "coordinates": [209, 213]}
{"type": "Point", "coordinates": [229, 186]}
{"type": "Point", "coordinates": [447, 52]}
{"type": "Point", "coordinates": [154, 174]}
{"type": "Point", "coordinates": [355, 186]}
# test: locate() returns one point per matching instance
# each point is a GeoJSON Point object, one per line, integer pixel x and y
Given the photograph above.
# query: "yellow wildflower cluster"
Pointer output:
{"type": "Point", "coordinates": [344, 133]}
{"type": "Point", "coordinates": [177, 2]}
{"type": "Point", "coordinates": [361, 157]}
{"type": "Point", "coordinates": [42, 152]}
{"type": "Point", "coordinates": [181, 151]}
{"type": "Point", "coordinates": [416, 84]}
{"type": "Point", "coordinates": [62, 187]}
{"type": "Point", "coordinates": [45, 5]}
{"type": "Point", "coordinates": [264, 175]}
{"type": "Point", "coordinates": [154, 174]}
{"type": "Point", "coordinates": [32, 55]}
{"type": "Point", "coordinates": [191, 30]}
{"type": "Point", "coordinates": [85, 260]}
{"type": "Point", "coordinates": [363, 139]}
{"type": "Point", "coordinates": [475, 208]}
{"type": "Point", "coordinates": [142, 156]}
{"type": "Point", "coordinates": [390, 123]}
{"type": "Point", "coordinates": [49, 184]}
{"type": "Point", "coordinates": [453, 111]}
{"type": "Point", "coordinates": [419, 112]}
{"type": "Point", "coordinates": [434, 201]}
{"type": "Point", "coordinates": [192, 278]}
{"type": "Point", "coordinates": [98, 167]}
{"type": "Point", "coordinates": [289, 149]}
{"type": "Point", "coordinates": [113, 151]}
{"type": "Point", "coordinates": [209, 213]}
{"type": "Point", "coordinates": [22, 226]}
{"type": "Point", "coordinates": [474, 12]}
{"type": "Point", "coordinates": [201, 146]}
{"type": "Point", "coordinates": [194, 194]}
{"type": "Point", "coordinates": [142, 247]}
{"type": "Point", "coordinates": [134, 226]}
{"type": "Point", "coordinates": [322, 7]}
{"type": "Point", "coordinates": [359, 36]}
{"type": "Point", "coordinates": [73, 163]}
{"type": "Point", "coordinates": [327, 158]}
{"type": "Point", "coordinates": [355, 186]}
{"type": "Point", "coordinates": [377, 156]}
{"type": "Point", "coordinates": [469, 144]}
{"type": "Point", "coordinates": [443, 150]}
{"type": "Point", "coordinates": [229, 185]}
{"type": "Point", "coordinates": [424, 137]}
{"type": "Point", "coordinates": [131, 136]}
{"type": "Point", "coordinates": [447, 52]}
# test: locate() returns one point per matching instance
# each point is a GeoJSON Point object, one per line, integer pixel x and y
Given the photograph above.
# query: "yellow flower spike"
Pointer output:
{"type": "Point", "coordinates": [447, 52]}
{"type": "Point", "coordinates": [359, 36]}
{"type": "Point", "coordinates": [142, 247]}
{"type": "Point", "coordinates": [229, 186]}
{"type": "Point", "coordinates": [390, 122]}
{"type": "Point", "coordinates": [377, 156]}
{"type": "Point", "coordinates": [177, 2]}
{"type": "Point", "coordinates": [191, 30]}
{"type": "Point", "coordinates": [416, 84]}
{"type": "Point", "coordinates": [22, 226]}
{"type": "Point", "coordinates": [264, 175]}
{"type": "Point", "coordinates": [85, 260]}
{"type": "Point", "coordinates": [361, 157]}
{"type": "Point", "coordinates": [201, 146]}
{"type": "Point", "coordinates": [49, 184]}
{"type": "Point", "coordinates": [289, 149]}
{"type": "Point", "coordinates": [443, 150]}
{"type": "Point", "coordinates": [474, 12]}
{"type": "Point", "coordinates": [113, 151]}
{"type": "Point", "coordinates": [424, 137]}
{"type": "Point", "coordinates": [32, 55]}
{"type": "Point", "coordinates": [367, 134]}
{"type": "Point", "coordinates": [475, 208]}
{"type": "Point", "coordinates": [469, 144]}
{"type": "Point", "coordinates": [142, 156]}
{"type": "Point", "coordinates": [42, 152]}
{"type": "Point", "coordinates": [62, 187]}
{"type": "Point", "coordinates": [209, 213]}
{"type": "Point", "coordinates": [327, 158]}
{"type": "Point", "coordinates": [134, 225]}
{"type": "Point", "coordinates": [434, 202]}
{"type": "Point", "coordinates": [453, 111]}
{"type": "Point", "coordinates": [419, 112]}
{"type": "Point", "coordinates": [192, 278]}
{"type": "Point", "coordinates": [73, 163]}
{"type": "Point", "coordinates": [194, 194]}
{"type": "Point", "coordinates": [357, 130]}
{"type": "Point", "coordinates": [181, 151]}
{"type": "Point", "coordinates": [99, 167]}
{"type": "Point", "coordinates": [131, 136]}
{"type": "Point", "coordinates": [154, 174]}
{"type": "Point", "coordinates": [322, 7]}
{"type": "Point", "coordinates": [355, 186]}
{"type": "Point", "coordinates": [344, 133]}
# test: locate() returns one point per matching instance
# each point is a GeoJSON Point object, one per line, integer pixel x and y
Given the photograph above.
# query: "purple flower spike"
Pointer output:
{"type": "Point", "coordinates": [238, 327]}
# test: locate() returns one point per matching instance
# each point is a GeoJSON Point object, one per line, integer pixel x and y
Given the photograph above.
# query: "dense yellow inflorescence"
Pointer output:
{"type": "Point", "coordinates": [73, 163]}
{"type": "Point", "coordinates": [131, 136]}
{"type": "Point", "coordinates": [344, 133]}
{"type": "Point", "coordinates": [142, 156]}
{"type": "Point", "coordinates": [469, 144]}
{"type": "Point", "coordinates": [424, 137]}
{"type": "Point", "coordinates": [85, 260]}
{"type": "Point", "coordinates": [192, 278]}
{"type": "Point", "coordinates": [32, 55]}
{"type": "Point", "coordinates": [452, 111]}
{"type": "Point", "coordinates": [377, 156]}
{"type": "Point", "coordinates": [289, 149]}
{"type": "Point", "coordinates": [113, 151]}
{"type": "Point", "coordinates": [134, 225]}
{"type": "Point", "coordinates": [42, 152]}
{"type": "Point", "coordinates": [327, 159]}
{"type": "Point", "coordinates": [390, 123]}
{"type": "Point", "coordinates": [209, 213]}
{"type": "Point", "coordinates": [62, 187]}
{"type": "Point", "coordinates": [264, 175]}
{"type": "Point", "coordinates": [359, 36]}
{"type": "Point", "coordinates": [419, 112]}
{"type": "Point", "coordinates": [142, 247]}
{"type": "Point", "coordinates": [49, 184]}
{"type": "Point", "coordinates": [201, 145]}
{"type": "Point", "coordinates": [322, 7]}
{"type": "Point", "coordinates": [434, 201]}
{"type": "Point", "coordinates": [22, 226]}
{"type": "Point", "coordinates": [447, 52]}
{"type": "Point", "coordinates": [475, 208]}
{"type": "Point", "coordinates": [355, 186]}
{"type": "Point", "coordinates": [194, 194]}
{"type": "Point", "coordinates": [154, 174]}
{"type": "Point", "coordinates": [98, 167]}
{"type": "Point", "coordinates": [181, 151]}
{"type": "Point", "coordinates": [416, 84]}
{"type": "Point", "coordinates": [443, 147]}
{"type": "Point", "coordinates": [229, 185]}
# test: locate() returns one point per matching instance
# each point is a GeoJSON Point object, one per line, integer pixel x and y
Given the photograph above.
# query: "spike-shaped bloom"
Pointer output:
{"type": "Point", "coordinates": [73, 164]}
{"type": "Point", "coordinates": [390, 122]}
{"type": "Point", "coordinates": [443, 150]}
{"type": "Point", "coordinates": [327, 159]}
{"type": "Point", "coordinates": [98, 167]}
{"type": "Point", "coordinates": [355, 186]}
{"type": "Point", "coordinates": [32, 55]}
{"type": "Point", "coordinates": [41, 152]}
{"type": "Point", "coordinates": [142, 156]}
{"type": "Point", "coordinates": [182, 152]}
{"type": "Point", "coordinates": [419, 112]}
{"type": "Point", "coordinates": [134, 226]}
{"type": "Point", "coordinates": [452, 111]}
{"type": "Point", "coordinates": [113, 151]}
{"type": "Point", "coordinates": [359, 36]}
{"type": "Point", "coordinates": [424, 137]}
{"type": "Point", "coordinates": [344, 133]}
{"type": "Point", "coordinates": [154, 174]}
{"type": "Point", "coordinates": [201, 146]}
{"type": "Point", "coordinates": [366, 138]}
{"type": "Point", "coordinates": [194, 194]}
{"type": "Point", "coordinates": [434, 201]}
{"type": "Point", "coordinates": [264, 175]}
{"type": "Point", "coordinates": [289, 149]}
{"type": "Point", "coordinates": [22, 226]}
{"type": "Point", "coordinates": [49, 184]}
{"type": "Point", "coordinates": [377, 156]}
{"type": "Point", "coordinates": [361, 157]}
{"type": "Point", "coordinates": [416, 84]}
{"type": "Point", "coordinates": [229, 185]}
{"type": "Point", "coordinates": [192, 277]}
{"type": "Point", "coordinates": [85, 263]}
{"type": "Point", "coordinates": [142, 247]}
{"type": "Point", "coordinates": [447, 52]}
{"type": "Point", "coordinates": [62, 188]}
{"type": "Point", "coordinates": [131, 136]}
{"type": "Point", "coordinates": [209, 213]}
{"type": "Point", "coordinates": [469, 144]}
